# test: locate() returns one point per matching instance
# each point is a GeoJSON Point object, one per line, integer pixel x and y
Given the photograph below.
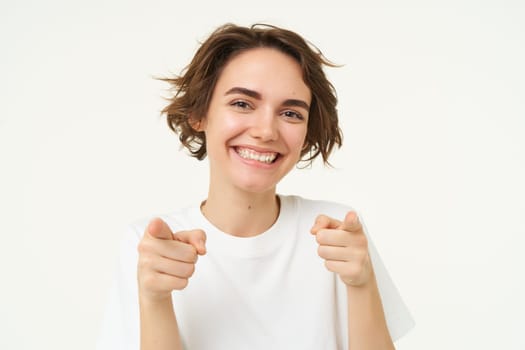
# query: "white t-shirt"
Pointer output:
{"type": "Point", "coordinates": [270, 291]}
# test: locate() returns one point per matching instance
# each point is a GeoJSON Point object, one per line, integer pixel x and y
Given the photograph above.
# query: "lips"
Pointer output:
{"type": "Point", "coordinates": [251, 154]}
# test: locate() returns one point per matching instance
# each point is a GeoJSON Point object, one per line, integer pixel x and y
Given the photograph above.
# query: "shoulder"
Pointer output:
{"type": "Point", "coordinates": [178, 219]}
{"type": "Point", "coordinates": [314, 207]}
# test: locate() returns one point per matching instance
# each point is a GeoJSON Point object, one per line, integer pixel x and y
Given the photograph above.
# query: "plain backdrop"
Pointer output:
{"type": "Point", "coordinates": [431, 101]}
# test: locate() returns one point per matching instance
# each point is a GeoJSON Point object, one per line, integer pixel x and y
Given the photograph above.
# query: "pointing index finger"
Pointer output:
{"type": "Point", "coordinates": [324, 222]}
{"type": "Point", "coordinates": [196, 238]}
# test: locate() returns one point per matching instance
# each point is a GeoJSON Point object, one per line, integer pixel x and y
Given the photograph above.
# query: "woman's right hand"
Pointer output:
{"type": "Point", "coordinates": [166, 259]}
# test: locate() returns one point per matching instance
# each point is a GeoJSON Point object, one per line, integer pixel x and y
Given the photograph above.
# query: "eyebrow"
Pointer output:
{"type": "Point", "coordinates": [258, 96]}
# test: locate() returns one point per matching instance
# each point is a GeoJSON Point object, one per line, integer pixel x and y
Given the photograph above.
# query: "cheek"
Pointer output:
{"type": "Point", "coordinates": [300, 137]}
{"type": "Point", "coordinates": [295, 137]}
{"type": "Point", "coordinates": [230, 124]}
{"type": "Point", "coordinates": [227, 121]}
{"type": "Point", "coordinates": [221, 128]}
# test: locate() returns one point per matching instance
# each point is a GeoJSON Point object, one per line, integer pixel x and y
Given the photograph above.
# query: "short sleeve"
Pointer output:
{"type": "Point", "coordinates": [398, 318]}
{"type": "Point", "coordinates": [120, 325]}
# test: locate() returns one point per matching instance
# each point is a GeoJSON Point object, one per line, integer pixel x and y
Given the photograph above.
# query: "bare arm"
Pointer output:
{"type": "Point", "coordinates": [158, 325]}
{"type": "Point", "coordinates": [366, 320]}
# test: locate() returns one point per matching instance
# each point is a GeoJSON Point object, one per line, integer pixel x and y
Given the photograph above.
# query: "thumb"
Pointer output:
{"type": "Point", "coordinates": [351, 223]}
{"type": "Point", "coordinates": [159, 229]}
{"type": "Point", "coordinates": [197, 238]}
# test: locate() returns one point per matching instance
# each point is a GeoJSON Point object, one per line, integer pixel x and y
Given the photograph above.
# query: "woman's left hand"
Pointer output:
{"type": "Point", "coordinates": [344, 247]}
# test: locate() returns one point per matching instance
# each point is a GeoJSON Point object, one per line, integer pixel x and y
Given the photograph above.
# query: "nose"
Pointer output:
{"type": "Point", "coordinates": [265, 126]}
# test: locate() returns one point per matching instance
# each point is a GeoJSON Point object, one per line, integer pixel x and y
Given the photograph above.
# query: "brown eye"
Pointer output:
{"type": "Point", "coordinates": [241, 104]}
{"type": "Point", "coordinates": [293, 115]}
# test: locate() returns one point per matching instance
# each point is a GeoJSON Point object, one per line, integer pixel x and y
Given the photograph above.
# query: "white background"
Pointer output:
{"type": "Point", "coordinates": [431, 103]}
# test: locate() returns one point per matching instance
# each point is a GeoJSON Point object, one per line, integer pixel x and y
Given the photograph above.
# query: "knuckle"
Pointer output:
{"type": "Point", "coordinates": [324, 251]}
{"type": "Point", "coordinates": [180, 283]}
{"type": "Point", "coordinates": [363, 241]}
{"type": "Point", "coordinates": [187, 252]}
{"type": "Point", "coordinates": [192, 256]}
{"type": "Point", "coordinates": [329, 265]}
{"type": "Point", "coordinates": [143, 246]}
{"type": "Point", "coordinates": [140, 264]}
{"type": "Point", "coordinates": [359, 243]}
{"type": "Point", "coordinates": [144, 261]}
{"type": "Point", "coordinates": [190, 270]}
{"type": "Point", "coordinates": [146, 245]}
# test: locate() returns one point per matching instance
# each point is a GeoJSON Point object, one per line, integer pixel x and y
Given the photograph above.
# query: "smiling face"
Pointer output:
{"type": "Point", "coordinates": [257, 121]}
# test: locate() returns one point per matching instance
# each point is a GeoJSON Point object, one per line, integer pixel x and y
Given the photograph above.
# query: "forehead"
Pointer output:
{"type": "Point", "coordinates": [265, 70]}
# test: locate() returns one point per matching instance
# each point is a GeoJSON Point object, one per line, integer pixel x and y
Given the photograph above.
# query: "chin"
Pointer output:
{"type": "Point", "coordinates": [256, 187]}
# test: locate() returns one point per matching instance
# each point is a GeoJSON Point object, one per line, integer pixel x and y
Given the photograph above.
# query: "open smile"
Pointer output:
{"type": "Point", "coordinates": [251, 154]}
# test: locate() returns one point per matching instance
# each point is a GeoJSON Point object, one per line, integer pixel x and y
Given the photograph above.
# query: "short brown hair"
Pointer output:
{"type": "Point", "coordinates": [193, 89]}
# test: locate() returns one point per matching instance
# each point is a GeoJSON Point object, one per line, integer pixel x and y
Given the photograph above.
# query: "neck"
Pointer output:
{"type": "Point", "coordinates": [240, 213]}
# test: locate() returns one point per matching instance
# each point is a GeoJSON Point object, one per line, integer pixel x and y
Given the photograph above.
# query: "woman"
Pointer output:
{"type": "Point", "coordinates": [240, 270]}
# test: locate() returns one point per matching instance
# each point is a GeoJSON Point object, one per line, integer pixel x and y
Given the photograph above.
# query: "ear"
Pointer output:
{"type": "Point", "coordinates": [197, 124]}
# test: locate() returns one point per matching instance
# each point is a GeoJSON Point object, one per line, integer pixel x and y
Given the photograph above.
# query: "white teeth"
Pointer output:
{"type": "Point", "coordinates": [260, 157]}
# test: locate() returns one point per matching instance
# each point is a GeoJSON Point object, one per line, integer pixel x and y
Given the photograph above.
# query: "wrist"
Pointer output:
{"type": "Point", "coordinates": [155, 299]}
